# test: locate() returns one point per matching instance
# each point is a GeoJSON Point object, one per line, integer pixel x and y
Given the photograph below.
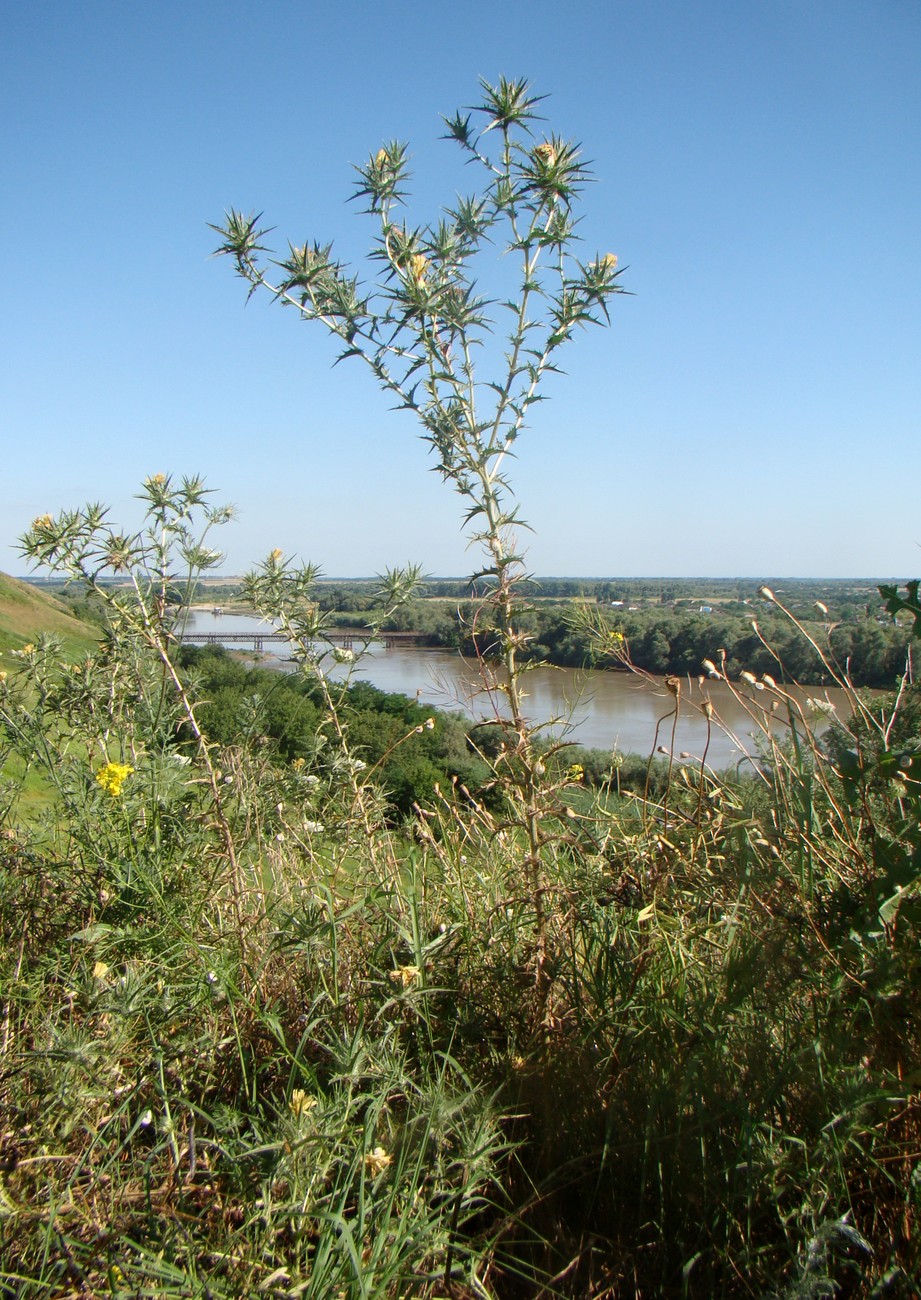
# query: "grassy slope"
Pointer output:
{"type": "Point", "coordinates": [26, 611]}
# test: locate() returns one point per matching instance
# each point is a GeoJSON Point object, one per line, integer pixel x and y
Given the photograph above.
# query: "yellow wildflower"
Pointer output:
{"type": "Point", "coordinates": [546, 152]}
{"type": "Point", "coordinates": [608, 262]}
{"type": "Point", "coordinates": [418, 265]}
{"type": "Point", "coordinates": [42, 522]}
{"type": "Point", "coordinates": [112, 777]}
{"type": "Point", "coordinates": [380, 158]}
{"type": "Point", "coordinates": [276, 556]}
{"type": "Point", "coordinates": [377, 1161]}
{"type": "Point", "coordinates": [301, 1102]}
{"type": "Point", "coordinates": [405, 975]}
{"type": "Point", "coordinates": [100, 971]}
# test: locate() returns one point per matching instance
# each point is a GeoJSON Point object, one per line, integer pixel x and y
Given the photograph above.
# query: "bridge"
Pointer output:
{"type": "Point", "coordinates": [343, 636]}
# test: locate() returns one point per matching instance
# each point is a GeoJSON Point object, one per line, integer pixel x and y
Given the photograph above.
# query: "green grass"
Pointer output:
{"type": "Point", "coordinates": [25, 612]}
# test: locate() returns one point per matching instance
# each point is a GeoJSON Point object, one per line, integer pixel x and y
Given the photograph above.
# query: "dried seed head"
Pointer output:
{"type": "Point", "coordinates": [766, 594]}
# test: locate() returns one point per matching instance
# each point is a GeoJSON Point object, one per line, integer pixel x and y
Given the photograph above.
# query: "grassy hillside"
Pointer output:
{"type": "Point", "coordinates": [25, 612]}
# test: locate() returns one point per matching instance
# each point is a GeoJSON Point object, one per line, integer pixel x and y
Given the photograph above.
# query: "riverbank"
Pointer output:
{"type": "Point", "coordinates": [594, 708]}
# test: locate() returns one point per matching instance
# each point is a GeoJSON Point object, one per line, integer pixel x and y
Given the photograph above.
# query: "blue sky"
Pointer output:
{"type": "Point", "coordinates": [755, 408]}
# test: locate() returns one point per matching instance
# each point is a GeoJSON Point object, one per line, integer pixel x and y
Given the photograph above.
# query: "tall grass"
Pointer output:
{"type": "Point", "coordinates": [327, 1067]}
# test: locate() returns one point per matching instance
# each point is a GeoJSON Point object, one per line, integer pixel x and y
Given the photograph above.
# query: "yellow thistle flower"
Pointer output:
{"type": "Point", "coordinates": [405, 975]}
{"type": "Point", "coordinates": [608, 262]}
{"type": "Point", "coordinates": [377, 1161]}
{"type": "Point", "coordinates": [301, 1102]}
{"type": "Point", "coordinates": [380, 158]}
{"type": "Point", "coordinates": [546, 152]}
{"type": "Point", "coordinates": [43, 521]}
{"type": "Point", "coordinates": [418, 265]}
{"type": "Point", "coordinates": [112, 777]}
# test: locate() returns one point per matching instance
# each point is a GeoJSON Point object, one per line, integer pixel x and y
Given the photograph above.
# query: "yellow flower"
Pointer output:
{"type": "Point", "coordinates": [112, 777]}
{"type": "Point", "coordinates": [405, 975]}
{"type": "Point", "coordinates": [276, 556]}
{"type": "Point", "coordinates": [546, 152]}
{"type": "Point", "coordinates": [42, 522]}
{"type": "Point", "coordinates": [100, 971]}
{"type": "Point", "coordinates": [418, 265]}
{"type": "Point", "coordinates": [380, 158]}
{"type": "Point", "coordinates": [608, 262]}
{"type": "Point", "coordinates": [301, 1102]}
{"type": "Point", "coordinates": [576, 772]}
{"type": "Point", "coordinates": [377, 1161]}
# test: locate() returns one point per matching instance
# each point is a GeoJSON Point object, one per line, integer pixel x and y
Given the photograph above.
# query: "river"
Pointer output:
{"type": "Point", "coordinates": [597, 708]}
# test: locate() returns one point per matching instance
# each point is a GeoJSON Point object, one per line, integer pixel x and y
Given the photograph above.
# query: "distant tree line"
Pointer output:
{"type": "Point", "coordinates": [869, 648]}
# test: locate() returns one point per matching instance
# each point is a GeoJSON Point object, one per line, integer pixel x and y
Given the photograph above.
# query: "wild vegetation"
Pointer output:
{"type": "Point", "coordinates": [266, 1030]}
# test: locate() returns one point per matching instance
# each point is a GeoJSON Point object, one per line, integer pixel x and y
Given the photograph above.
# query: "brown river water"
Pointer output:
{"type": "Point", "coordinates": [598, 708]}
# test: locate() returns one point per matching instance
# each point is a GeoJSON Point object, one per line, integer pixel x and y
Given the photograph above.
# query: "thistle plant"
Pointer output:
{"type": "Point", "coordinates": [426, 330]}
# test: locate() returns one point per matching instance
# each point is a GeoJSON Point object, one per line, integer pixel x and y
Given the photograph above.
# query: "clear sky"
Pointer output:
{"type": "Point", "coordinates": [755, 408]}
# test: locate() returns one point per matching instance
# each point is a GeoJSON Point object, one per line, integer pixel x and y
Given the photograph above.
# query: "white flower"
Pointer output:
{"type": "Point", "coordinates": [342, 655]}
